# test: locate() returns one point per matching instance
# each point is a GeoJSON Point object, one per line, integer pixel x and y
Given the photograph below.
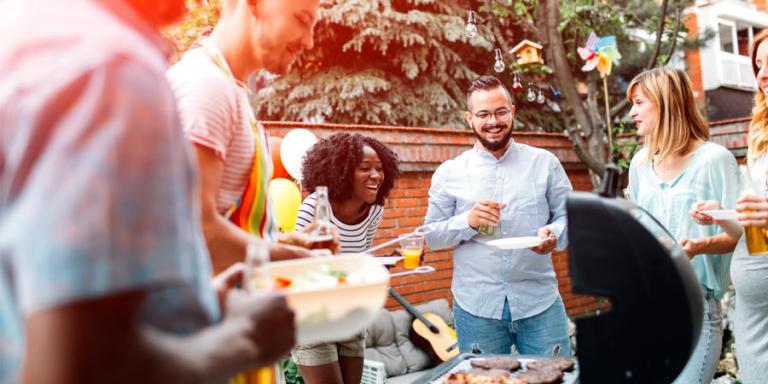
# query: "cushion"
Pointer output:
{"type": "Point", "coordinates": [415, 358]}
{"type": "Point", "coordinates": [388, 339]}
{"type": "Point", "coordinates": [380, 345]}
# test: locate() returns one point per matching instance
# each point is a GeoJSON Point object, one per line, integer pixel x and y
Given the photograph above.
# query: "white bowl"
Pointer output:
{"type": "Point", "coordinates": [338, 313]}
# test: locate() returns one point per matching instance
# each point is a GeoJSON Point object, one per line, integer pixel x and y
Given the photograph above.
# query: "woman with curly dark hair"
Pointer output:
{"type": "Point", "coordinates": [359, 172]}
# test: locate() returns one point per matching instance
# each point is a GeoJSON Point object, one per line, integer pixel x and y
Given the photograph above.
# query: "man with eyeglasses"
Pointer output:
{"type": "Point", "coordinates": [501, 189]}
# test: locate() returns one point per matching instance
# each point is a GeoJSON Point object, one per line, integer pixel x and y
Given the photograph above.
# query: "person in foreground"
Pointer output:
{"type": "Point", "coordinates": [750, 273]}
{"type": "Point", "coordinates": [105, 277]}
{"type": "Point", "coordinates": [676, 167]}
{"type": "Point", "coordinates": [359, 173]}
{"type": "Point", "coordinates": [501, 297]}
{"type": "Point", "coordinates": [231, 147]}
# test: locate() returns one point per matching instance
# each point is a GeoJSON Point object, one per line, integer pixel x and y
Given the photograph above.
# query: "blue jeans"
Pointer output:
{"type": "Point", "coordinates": [703, 362]}
{"type": "Point", "coordinates": [535, 335]}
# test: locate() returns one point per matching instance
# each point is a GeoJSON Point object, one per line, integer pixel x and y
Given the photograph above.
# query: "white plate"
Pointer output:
{"type": "Point", "coordinates": [721, 214]}
{"type": "Point", "coordinates": [388, 260]}
{"type": "Point", "coordinates": [516, 242]}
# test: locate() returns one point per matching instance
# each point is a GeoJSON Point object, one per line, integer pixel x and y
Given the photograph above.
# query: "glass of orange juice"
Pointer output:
{"type": "Point", "coordinates": [412, 245]}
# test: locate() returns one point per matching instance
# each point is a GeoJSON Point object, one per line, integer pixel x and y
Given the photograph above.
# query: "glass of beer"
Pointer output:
{"type": "Point", "coordinates": [412, 245]}
{"type": "Point", "coordinates": [486, 229]}
{"type": "Point", "coordinates": [757, 243]}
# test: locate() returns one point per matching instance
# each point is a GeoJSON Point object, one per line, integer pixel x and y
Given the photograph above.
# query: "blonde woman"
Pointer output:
{"type": "Point", "coordinates": [750, 273]}
{"type": "Point", "coordinates": [677, 167]}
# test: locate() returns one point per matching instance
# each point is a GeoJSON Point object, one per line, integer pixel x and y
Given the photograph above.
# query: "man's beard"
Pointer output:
{"type": "Point", "coordinates": [494, 146]}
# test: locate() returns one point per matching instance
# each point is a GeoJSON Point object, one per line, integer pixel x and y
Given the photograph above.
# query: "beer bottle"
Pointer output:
{"type": "Point", "coordinates": [321, 236]}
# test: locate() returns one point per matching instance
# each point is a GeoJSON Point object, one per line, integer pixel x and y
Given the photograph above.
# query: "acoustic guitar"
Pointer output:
{"type": "Point", "coordinates": [433, 329]}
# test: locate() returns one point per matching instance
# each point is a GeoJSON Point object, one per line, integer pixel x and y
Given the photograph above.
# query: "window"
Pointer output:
{"type": "Point", "coordinates": [726, 37]}
{"type": "Point", "coordinates": [736, 37]}
{"type": "Point", "coordinates": [743, 38]}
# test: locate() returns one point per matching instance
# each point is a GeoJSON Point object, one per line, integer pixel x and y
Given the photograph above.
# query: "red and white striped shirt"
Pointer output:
{"type": "Point", "coordinates": [211, 116]}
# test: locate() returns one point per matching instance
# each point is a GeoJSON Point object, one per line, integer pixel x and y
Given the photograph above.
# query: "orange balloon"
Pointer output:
{"type": "Point", "coordinates": [277, 163]}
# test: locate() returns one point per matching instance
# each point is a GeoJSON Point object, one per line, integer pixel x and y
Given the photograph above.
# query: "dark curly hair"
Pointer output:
{"type": "Point", "coordinates": [332, 162]}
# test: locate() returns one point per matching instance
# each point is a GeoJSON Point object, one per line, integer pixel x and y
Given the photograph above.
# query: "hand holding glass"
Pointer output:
{"type": "Point", "coordinates": [757, 243]}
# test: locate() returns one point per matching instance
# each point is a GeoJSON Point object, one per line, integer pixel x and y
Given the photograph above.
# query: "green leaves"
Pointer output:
{"type": "Point", "coordinates": [381, 62]}
{"type": "Point", "coordinates": [407, 62]}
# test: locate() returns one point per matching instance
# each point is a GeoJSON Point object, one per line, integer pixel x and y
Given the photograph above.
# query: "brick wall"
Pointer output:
{"type": "Point", "coordinates": [731, 134]}
{"type": "Point", "coordinates": [420, 151]}
{"type": "Point", "coordinates": [761, 5]}
{"type": "Point", "coordinates": [693, 58]}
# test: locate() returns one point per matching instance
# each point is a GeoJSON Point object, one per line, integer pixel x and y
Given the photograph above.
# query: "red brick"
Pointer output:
{"type": "Point", "coordinates": [416, 212]}
{"type": "Point", "coordinates": [387, 223]}
{"type": "Point", "coordinates": [420, 192]}
{"type": "Point", "coordinates": [693, 58]}
{"type": "Point", "coordinates": [396, 193]}
{"type": "Point", "coordinates": [395, 212]}
{"type": "Point", "coordinates": [409, 221]}
{"type": "Point", "coordinates": [405, 203]}
{"type": "Point", "coordinates": [413, 183]}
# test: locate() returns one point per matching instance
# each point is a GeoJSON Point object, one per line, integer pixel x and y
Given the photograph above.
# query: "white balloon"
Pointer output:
{"type": "Point", "coordinates": [295, 145]}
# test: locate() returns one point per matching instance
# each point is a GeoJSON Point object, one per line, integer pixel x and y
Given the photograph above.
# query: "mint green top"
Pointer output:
{"type": "Point", "coordinates": [711, 175]}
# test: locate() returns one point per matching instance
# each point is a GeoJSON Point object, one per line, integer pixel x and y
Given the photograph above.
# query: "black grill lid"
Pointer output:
{"type": "Point", "coordinates": [619, 251]}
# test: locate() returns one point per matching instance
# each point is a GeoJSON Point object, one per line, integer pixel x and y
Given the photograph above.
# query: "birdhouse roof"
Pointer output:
{"type": "Point", "coordinates": [523, 43]}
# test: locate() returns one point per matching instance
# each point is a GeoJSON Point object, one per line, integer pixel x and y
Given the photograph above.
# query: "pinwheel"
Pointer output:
{"type": "Point", "coordinates": [601, 53]}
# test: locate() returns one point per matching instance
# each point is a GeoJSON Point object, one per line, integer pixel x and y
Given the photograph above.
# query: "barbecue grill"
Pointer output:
{"type": "Point", "coordinates": [620, 252]}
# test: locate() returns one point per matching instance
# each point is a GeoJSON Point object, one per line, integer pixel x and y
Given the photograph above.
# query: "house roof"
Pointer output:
{"type": "Point", "coordinates": [523, 43]}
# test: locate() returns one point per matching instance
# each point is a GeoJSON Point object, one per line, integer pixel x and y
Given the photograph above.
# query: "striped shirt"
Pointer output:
{"type": "Point", "coordinates": [354, 238]}
{"type": "Point", "coordinates": [212, 117]}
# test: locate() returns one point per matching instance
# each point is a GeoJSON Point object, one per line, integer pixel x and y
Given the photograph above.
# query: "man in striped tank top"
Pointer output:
{"type": "Point", "coordinates": [231, 148]}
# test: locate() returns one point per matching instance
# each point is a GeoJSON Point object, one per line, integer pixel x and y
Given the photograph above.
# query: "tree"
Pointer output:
{"type": "Point", "coordinates": [562, 26]}
{"type": "Point", "coordinates": [407, 62]}
{"type": "Point", "coordinates": [199, 21]}
{"type": "Point", "coordinates": [568, 26]}
{"type": "Point", "coordinates": [385, 62]}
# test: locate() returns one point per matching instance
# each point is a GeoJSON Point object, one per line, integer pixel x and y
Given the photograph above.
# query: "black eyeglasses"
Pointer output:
{"type": "Point", "coordinates": [502, 114]}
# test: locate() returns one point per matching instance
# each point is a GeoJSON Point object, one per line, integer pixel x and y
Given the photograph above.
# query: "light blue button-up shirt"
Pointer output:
{"type": "Point", "coordinates": [711, 175]}
{"type": "Point", "coordinates": [534, 186]}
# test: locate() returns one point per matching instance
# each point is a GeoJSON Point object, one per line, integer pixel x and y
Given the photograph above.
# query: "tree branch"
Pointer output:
{"type": "Point", "coordinates": [499, 38]}
{"type": "Point", "coordinates": [624, 103]}
{"type": "Point", "coordinates": [659, 35]}
{"type": "Point", "coordinates": [678, 11]}
{"type": "Point", "coordinates": [568, 84]}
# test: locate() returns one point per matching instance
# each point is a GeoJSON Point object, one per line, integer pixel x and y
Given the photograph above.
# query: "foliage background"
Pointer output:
{"type": "Point", "coordinates": [407, 63]}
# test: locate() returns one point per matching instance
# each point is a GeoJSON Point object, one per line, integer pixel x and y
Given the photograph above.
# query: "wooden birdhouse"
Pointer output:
{"type": "Point", "coordinates": [527, 52]}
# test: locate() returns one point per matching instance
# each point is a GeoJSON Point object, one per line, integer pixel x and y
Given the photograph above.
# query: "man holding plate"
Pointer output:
{"type": "Point", "coordinates": [501, 205]}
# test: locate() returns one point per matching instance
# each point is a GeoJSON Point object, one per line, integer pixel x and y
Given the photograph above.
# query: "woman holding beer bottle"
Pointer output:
{"type": "Point", "coordinates": [352, 175]}
{"type": "Point", "coordinates": [676, 167]}
{"type": "Point", "coordinates": [749, 269]}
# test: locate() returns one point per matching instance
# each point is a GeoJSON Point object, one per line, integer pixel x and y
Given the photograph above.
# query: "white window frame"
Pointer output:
{"type": "Point", "coordinates": [734, 58]}
{"type": "Point", "coordinates": [734, 36]}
